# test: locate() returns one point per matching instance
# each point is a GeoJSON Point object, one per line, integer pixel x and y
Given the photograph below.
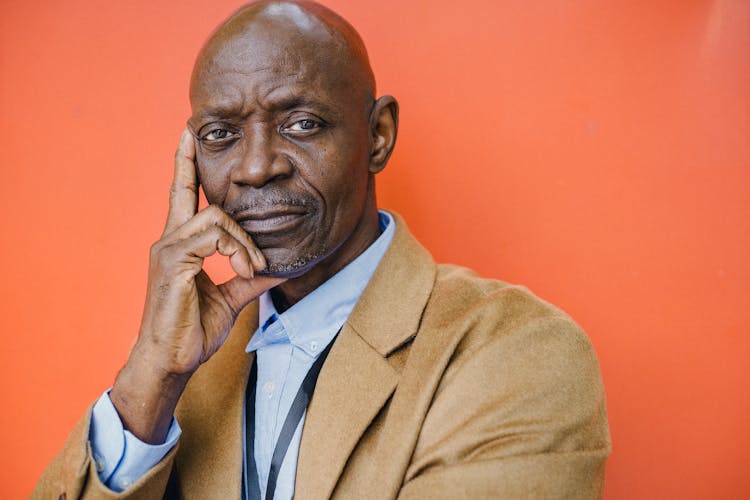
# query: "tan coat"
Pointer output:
{"type": "Point", "coordinates": [440, 385]}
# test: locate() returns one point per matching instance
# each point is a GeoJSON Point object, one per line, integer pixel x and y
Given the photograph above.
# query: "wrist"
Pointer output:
{"type": "Point", "coordinates": [145, 396]}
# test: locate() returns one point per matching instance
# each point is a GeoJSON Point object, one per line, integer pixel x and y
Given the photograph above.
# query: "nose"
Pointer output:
{"type": "Point", "coordinates": [260, 161]}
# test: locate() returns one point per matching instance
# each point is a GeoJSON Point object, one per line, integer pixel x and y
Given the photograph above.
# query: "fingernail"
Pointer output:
{"type": "Point", "coordinates": [261, 259]}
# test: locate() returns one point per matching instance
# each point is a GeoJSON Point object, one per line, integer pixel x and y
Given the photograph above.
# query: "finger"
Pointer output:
{"type": "Point", "coordinates": [193, 250]}
{"type": "Point", "coordinates": [239, 292]}
{"type": "Point", "coordinates": [213, 216]}
{"type": "Point", "coordinates": [183, 194]}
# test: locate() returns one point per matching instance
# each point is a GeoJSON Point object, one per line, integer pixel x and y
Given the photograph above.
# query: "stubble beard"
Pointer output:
{"type": "Point", "coordinates": [292, 268]}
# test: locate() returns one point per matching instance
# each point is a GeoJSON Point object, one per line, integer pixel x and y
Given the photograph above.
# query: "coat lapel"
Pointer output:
{"type": "Point", "coordinates": [357, 379]}
{"type": "Point", "coordinates": [354, 384]}
{"type": "Point", "coordinates": [209, 457]}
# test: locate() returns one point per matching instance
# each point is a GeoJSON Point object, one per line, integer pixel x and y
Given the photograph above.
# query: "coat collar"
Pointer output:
{"type": "Point", "coordinates": [390, 309]}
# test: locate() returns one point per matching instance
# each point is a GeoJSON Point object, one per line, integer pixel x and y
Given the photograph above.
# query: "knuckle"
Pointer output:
{"type": "Point", "coordinates": [217, 236]}
{"type": "Point", "coordinates": [180, 185]}
{"type": "Point", "coordinates": [155, 249]}
{"type": "Point", "coordinates": [226, 242]}
{"type": "Point", "coordinates": [214, 232]}
{"type": "Point", "coordinates": [214, 212]}
{"type": "Point", "coordinates": [242, 250]}
{"type": "Point", "coordinates": [232, 225]}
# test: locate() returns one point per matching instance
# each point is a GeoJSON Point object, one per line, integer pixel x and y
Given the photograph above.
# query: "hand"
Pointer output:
{"type": "Point", "coordinates": [186, 317]}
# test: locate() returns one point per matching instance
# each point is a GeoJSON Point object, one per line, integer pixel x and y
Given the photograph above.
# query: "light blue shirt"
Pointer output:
{"type": "Point", "coordinates": [286, 346]}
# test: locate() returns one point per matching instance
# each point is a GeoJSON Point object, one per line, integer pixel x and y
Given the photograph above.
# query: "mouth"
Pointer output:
{"type": "Point", "coordinates": [271, 221]}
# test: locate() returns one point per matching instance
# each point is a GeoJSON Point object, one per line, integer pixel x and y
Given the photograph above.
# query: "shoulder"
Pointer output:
{"type": "Point", "coordinates": [520, 377]}
{"type": "Point", "coordinates": [515, 359]}
{"type": "Point", "coordinates": [486, 312]}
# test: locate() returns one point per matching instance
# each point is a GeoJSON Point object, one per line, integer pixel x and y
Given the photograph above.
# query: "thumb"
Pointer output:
{"type": "Point", "coordinates": [239, 291]}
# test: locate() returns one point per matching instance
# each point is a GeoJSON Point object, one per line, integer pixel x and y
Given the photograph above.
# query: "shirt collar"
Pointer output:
{"type": "Point", "coordinates": [311, 323]}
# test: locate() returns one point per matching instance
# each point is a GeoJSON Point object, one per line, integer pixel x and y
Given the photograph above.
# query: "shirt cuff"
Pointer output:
{"type": "Point", "coordinates": [121, 458]}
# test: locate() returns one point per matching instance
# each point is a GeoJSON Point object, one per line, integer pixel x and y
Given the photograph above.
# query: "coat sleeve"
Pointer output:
{"type": "Point", "coordinates": [72, 473]}
{"type": "Point", "coordinates": [515, 416]}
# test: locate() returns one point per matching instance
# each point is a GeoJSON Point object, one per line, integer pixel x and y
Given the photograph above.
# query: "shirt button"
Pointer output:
{"type": "Point", "coordinates": [125, 482]}
{"type": "Point", "coordinates": [99, 462]}
{"type": "Point", "coordinates": [314, 345]}
{"type": "Point", "coordinates": [269, 387]}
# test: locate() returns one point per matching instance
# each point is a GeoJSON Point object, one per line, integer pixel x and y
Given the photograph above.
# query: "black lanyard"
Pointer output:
{"type": "Point", "coordinates": [250, 485]}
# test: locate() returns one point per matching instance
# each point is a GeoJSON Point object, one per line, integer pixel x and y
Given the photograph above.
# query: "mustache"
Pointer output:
{"type": "Point", "coordinates": [271, 201]}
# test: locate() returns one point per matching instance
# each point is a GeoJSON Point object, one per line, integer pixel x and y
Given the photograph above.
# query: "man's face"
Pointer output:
{"type": "Point", "coordinates": [282, 143]}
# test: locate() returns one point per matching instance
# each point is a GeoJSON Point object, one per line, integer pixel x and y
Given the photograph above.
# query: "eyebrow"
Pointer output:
{"type": "Point", "coordinates": [274, 106]}
{"type": "Point", "coordinates": [216, 112]}
{"type": "Point", "coordinates": [298, 101]}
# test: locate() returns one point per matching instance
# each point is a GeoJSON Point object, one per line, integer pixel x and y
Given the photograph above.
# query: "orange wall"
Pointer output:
{"type": "Point", "coordinates": [598, 152]}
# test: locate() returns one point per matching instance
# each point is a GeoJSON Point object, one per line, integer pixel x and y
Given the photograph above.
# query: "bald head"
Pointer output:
{"type": "Point", "coordinates": [290, 31]}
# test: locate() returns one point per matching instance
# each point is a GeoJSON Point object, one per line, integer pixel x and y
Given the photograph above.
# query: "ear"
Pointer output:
{"type": "Point", "coordinates": [383, 132]}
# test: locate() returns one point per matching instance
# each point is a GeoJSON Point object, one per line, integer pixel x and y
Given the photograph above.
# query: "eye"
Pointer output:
{"type": "Point", "coordinates": [302, 126]}
{"type": "Point", "coordinates": [216, 134]}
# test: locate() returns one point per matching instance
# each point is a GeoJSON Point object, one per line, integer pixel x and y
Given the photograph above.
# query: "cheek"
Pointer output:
{"type": "Point", "coordinates": [343, 180]}
{"type": "Point", "coordinates": [333, 173]}
{"type": "Point", "coordinates": [214, 178]}
{"type": "Point", "coordinates": [342, 159]}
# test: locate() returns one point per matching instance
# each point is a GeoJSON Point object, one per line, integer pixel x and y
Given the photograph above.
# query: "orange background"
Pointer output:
{"type": "Point", "coordinates": [598, 152]}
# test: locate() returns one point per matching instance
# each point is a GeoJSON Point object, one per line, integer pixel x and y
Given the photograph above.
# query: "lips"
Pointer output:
{"type": "Point", "coordinates": [271, 221]}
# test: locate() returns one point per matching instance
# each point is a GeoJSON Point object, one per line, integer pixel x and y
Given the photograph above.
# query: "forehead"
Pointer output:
{"type": "Point", "coordinates": [272, 61]}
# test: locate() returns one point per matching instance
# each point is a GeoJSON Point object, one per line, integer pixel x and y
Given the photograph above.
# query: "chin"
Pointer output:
{"type": "Point", "coordinates": [289, 269]}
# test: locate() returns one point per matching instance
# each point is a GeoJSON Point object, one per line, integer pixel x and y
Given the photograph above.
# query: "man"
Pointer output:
{"type": "Point", "coordinates": [423, 381]}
